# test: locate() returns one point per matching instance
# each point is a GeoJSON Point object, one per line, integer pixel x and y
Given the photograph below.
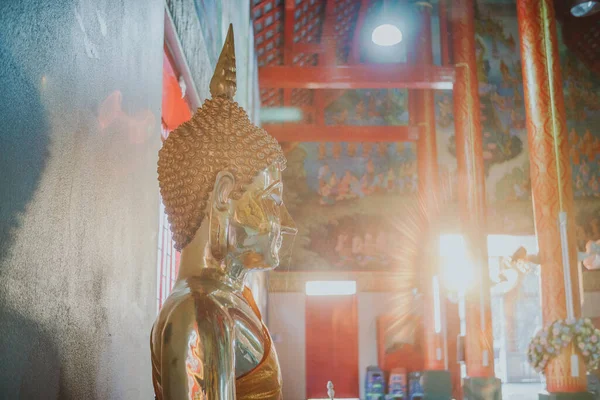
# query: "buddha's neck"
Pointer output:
{"type": "Point", "coordinates": [196, 260]}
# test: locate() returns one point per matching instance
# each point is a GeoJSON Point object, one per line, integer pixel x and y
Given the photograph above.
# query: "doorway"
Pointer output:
{"type": "Point", "coordinates": [332, 345]}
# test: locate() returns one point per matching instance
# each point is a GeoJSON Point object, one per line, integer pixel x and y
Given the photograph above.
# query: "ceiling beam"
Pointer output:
{"type": "Point", "coordinates": [361, 76]}
{"type": "Point", "coordinates": [288, 31]}
{"type": "Point", "coordinates": [288, 37]}
{"type": "Point", "coordinates": [308, 48]}
{"type": "Point", "coordinates": [328, 58]}
{"type": "Point", "coordinates": [328, 39]}
{"type": "Point", "coordinates": [341, 133]}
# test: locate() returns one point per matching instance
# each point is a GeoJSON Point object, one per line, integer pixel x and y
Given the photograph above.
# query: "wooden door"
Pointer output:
{"type": "Point", "coordinates": [332, 346]}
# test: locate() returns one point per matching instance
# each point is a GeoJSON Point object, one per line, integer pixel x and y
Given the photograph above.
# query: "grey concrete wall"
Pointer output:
{"type": "Point", "coordinates": [202, 28]}
{"type": "Point", "coordinates": [80, 95]}
{"type": "Point", "coordinates": [190, 33]}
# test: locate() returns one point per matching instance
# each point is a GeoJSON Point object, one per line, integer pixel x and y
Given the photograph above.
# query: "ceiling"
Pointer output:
{"type": "Point", "coordinates": [290, 32]}
{"type": "Point", "coordinates": [308, 50]}
{"type": "Point", "coordinates": [581, 35]}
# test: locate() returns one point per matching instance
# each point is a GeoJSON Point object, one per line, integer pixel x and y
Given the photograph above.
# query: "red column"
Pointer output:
{"type": "Point", "coordinates": [471, 193]}
{"type": "Point", "coordinates": [428, 172]}
{"type": "Point", "coordinates": [550, 173]}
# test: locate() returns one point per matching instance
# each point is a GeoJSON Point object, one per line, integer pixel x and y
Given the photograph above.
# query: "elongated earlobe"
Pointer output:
{"type": "Point", "coordinates": [219, 215]}
{"type": "Point", "coordinates": [224, 184]}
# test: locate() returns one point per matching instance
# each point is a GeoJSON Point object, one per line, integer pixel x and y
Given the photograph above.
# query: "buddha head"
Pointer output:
{"type": "Point", "coordinates": [220, 169]}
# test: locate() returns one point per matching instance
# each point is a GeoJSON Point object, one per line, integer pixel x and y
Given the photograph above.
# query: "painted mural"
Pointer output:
{"type": "Point", "coordinates": [345, 198]}
{"type": "Point", "coordinates": [348, 197]}
{"type": "Point", "coordinates": [505, 134]}
{"type": "Point", "coordinates": [369, 107]}
{"type": "Point", "coordinates": [502, 110]}
{"type": "Point", "coordinates": [582, 101]}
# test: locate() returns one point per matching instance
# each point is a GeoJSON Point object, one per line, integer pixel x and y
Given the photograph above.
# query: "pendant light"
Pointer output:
{"type": "Point", "coordinates": [386, 33]}
{"type": "Point", "coordinates": [585, 8]}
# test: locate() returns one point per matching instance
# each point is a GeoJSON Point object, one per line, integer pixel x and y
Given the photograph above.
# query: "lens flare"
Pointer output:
{"type": "Point", "coordinates": [457, 268]}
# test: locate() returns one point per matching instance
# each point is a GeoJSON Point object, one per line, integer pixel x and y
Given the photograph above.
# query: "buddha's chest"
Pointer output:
{"type": "Point", "coordinates": [250, 339]}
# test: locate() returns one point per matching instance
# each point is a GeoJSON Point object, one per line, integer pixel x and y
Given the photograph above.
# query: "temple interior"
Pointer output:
{"type": "Point", "coordinates": [435, 233]}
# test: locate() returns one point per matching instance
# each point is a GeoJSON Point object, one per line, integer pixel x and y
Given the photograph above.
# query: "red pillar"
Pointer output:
{"type": "Point", "coordinates": [428, 172]}
{"type": "Point", "coordinates": [471, 193]}
{"type": "Point", "coordinates": [551, 183]}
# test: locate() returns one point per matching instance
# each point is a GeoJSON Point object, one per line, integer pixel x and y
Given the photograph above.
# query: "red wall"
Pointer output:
{"type": "Point", "coordinates": [175, 109]}
{"type": "Point", "coordinates": [332, 346]}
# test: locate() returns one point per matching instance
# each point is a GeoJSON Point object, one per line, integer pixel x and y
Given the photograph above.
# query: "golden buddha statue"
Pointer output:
{"type": "Point", "coordinates": [209, 341]}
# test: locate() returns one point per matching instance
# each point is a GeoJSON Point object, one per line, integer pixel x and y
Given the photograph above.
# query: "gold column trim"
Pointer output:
{"type": "Point", "coordinates": [555, 131]}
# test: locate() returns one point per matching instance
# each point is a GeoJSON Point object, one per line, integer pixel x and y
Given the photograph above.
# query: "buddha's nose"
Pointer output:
{"type": "Point", "coordinates": [288, 226]}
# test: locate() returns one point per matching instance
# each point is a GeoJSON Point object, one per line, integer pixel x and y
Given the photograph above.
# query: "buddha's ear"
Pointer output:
{"type": "Point", "coordinates": [224, 184]}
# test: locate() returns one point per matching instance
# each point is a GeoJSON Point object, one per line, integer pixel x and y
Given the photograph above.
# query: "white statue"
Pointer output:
{"type": "Point", "coordinates": [330, 391]}
{"type": "Point", "coordinates": [591, 257]}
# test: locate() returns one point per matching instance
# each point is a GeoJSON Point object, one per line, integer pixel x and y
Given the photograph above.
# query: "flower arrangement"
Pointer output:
{"type": "Point", "coordinates": [587, 340]}
{"type": "Point", "coordinates": [548, 343]}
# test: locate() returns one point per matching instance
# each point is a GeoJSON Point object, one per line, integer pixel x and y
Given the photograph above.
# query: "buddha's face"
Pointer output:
{"type": "Point", "coordinates": [258, 221]}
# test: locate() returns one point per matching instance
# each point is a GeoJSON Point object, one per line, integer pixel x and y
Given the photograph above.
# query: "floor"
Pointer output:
{"type": "Point", "coordinates": [521, 391]}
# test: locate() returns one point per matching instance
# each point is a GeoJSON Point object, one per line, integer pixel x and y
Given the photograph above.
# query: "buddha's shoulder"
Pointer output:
{"type": "Point", "coordinates": [180, 314]}
{"type": "Point", "coordinates": [183, 303]}
{"type": "Point", "coordinates": [197, 302]}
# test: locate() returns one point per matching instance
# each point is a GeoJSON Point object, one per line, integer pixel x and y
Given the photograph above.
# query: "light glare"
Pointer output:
{"type": "Point", "coordinates": [386, 35]}
{"type": "Point", "coordinates": [330, 288]}
{"type": "Point", "coordinates": [505, 245]}
{"type": "Point", "coordinates": [437, 312]}
{"type": "Point", "coordinates": [457, 269]}
{"type": "Point", "coordinates": [280, 114]}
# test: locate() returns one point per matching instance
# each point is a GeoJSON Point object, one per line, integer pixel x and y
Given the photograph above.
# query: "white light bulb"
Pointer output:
{"type": "Point", "coordinates": [386, 35]}
{"type": "Point", "coordinates": [585, 8]}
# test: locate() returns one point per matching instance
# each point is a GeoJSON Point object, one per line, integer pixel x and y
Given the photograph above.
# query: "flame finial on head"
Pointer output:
{"type": "Point", "coordinates": [223, 82]}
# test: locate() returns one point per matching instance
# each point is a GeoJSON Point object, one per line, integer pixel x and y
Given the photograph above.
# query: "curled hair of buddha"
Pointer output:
{"type": "Point", "coordinates": [218, 137]}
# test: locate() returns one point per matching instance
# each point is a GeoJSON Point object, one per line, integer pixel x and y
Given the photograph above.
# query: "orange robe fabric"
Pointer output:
{"type": "Point", "coordinates": [264, 381]}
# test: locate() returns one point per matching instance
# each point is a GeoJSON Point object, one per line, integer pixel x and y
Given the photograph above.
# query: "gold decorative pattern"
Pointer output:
{"type": "Point", "coordinates": [218, 137]}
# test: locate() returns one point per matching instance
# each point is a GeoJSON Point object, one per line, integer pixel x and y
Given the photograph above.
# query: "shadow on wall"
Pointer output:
{"type": "Point", "coordinates": [29, 366]}
{"type": "Point", "coordinates": [24, 145]}
{"type": "Point", "coordinates": [80, 89]}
